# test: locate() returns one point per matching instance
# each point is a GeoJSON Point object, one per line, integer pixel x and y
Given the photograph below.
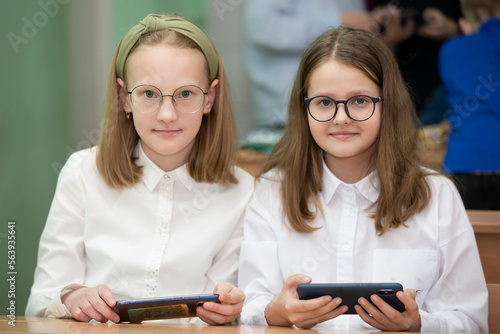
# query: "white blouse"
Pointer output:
{"type": "Point", "coordinates": [435, 254]}
{"type": "Point", "coordinates": [167, 235]}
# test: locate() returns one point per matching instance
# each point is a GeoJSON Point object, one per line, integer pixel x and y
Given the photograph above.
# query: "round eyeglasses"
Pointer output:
{"type": "Point", "coordinates": [358, 108]}
{"type": "Point", "coordinates": [148, 99]}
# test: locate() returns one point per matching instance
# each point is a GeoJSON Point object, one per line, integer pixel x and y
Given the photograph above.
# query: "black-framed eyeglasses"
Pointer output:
{"type": "Point", "coordinates": [358, 108]}
{"type": "Point", "coordinates": [148, 99]}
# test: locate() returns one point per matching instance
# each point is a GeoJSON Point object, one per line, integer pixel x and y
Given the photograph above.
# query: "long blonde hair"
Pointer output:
{"type": "Point", "coordinates": [214, 152]}
{"type": "Point", "coordinates": [403, 188]}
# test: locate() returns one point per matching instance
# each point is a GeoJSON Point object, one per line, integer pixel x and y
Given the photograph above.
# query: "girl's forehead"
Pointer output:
{"type": "Point", "coordinates": [158, 64]}
{"type": "Point", "coordinates": [335, 75]}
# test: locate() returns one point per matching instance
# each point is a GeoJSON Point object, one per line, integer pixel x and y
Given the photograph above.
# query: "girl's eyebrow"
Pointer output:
{"type": "Point", "coordinates": [350, 94]}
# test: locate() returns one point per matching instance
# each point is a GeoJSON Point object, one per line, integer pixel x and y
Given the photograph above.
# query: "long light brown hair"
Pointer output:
{"type": "Point", "coordinates": [214, 152]}
{"type": "Point", "coordinates": [403, 188]}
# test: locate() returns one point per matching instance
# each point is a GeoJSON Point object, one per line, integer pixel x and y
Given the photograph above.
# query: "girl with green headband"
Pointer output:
{"type": "Point", "coordinates": [156, 208]}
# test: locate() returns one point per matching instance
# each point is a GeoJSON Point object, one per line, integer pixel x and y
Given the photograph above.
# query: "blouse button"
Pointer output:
{"type": "Point", "coordinates": [167, 177]}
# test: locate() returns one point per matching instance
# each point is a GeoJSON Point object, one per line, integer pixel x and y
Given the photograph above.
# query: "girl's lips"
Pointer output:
{"type": "Point", "coordinates": [166, 132]}
{"type": "Point", "coordinates": [343, 135]}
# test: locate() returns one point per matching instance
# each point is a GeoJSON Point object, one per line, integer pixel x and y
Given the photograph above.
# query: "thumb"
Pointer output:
{"type": "Point", "coordinates": [411, 293]}
{"type": "Point", "coordinates": [292, 282]}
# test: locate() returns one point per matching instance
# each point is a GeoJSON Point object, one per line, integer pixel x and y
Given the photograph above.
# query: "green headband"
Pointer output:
{"type": "Point", "coordinates": [154, 22]}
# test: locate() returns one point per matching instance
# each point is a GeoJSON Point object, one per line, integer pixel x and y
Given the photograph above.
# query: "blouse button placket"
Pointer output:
{"type": "Point", "coordinates": [162, 233]}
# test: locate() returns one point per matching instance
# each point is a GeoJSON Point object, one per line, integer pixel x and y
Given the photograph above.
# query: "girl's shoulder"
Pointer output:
{"type": "Point", "coordinates": [269, 183]}
{"type": "Point", "coordinates": [242, 175]}
{"type": "Point", "coordinates": [80, 162]}
{"type": "Point", "coordinates": [438, 182]}
{"type": "Point", "coordinates": [245, 180]}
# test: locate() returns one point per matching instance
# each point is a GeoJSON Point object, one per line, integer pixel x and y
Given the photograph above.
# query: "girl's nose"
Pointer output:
{"type": "Point", "coordinates": [167, 111]}
{"type": "Point", "coordinates": [341, 115]}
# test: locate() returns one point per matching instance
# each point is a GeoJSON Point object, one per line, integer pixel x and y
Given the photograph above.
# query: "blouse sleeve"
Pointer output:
{"type": "Point", "coordinates": [260, 276]}
{"type": "Point", "coordinates": [61, 263]}
{"type": "Point", "coordinates": [458, 301]}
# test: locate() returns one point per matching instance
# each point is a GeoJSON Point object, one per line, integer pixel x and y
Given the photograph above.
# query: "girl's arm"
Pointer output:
{"type": "Point", "coordinates": [222, 275]}
{"type": "Point", "coordinates": [259, 274]}
{"type": "Point", "coordinates": [271, 298]}
{"type": "Point", "coordinates": [458, 301]}
{"type": "Point", "coordinates": [60, 271]}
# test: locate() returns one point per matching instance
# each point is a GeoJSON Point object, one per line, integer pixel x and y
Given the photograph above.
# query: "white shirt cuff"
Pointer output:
{"type": "Point", "coordinates": [56, 308]}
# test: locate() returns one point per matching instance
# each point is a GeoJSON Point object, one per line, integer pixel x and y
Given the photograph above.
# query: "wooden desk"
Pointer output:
{"type": "Point", "coordinates": [486, 226]}
{"type": "Point", "coordinates": [251, 161]}
{"type": "Point", "coordinates": [51, 325]}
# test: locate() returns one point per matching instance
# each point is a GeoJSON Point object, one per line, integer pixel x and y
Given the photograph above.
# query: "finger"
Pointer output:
{"type": "Point", "coordinates": [214, 318]}
{"type": "Point", "coordinates": [322, 310]}
{"type": "Point", "coordinates": [311, 320]}
{"type": "Point", "coordinates": [387, 314]}
{"type": "Point", "coordinates": [369, 308]}
{"type": "Point", "coordinates": [106, 295]}
{"type": "Point", "coordinates": [87, 309]}
{"type": "Point", "coordinates": [102, 301]}
{"type": "Point", "coordinates": [316, 303]}
{"type": "Point", "coordinates": [408, 299]}
{"type": "Point", "coordinates": [234, 296]}
{"type": "Point", "coordinates": [223, 287]}
{"type": "Point", "coordinates": [78, 314]}
{"type": "Point", "coordinates": [202, 316]}
{"type": "Point", "coordinates": [367, 318]}
{"type": "Point", "coordinates": [224, 309]}
{"type": "Point", "coordinates": [104, 310]}
{"type": "Point", "coordinates": [292, 282]}
{"type": "Point", "coordinates": [412, 293]}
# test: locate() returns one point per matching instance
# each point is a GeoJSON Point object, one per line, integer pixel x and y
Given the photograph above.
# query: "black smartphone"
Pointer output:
{"type": "Point", "coordinates": [161, 308]}
{"type": "Point", "coordinates": [351, 292]}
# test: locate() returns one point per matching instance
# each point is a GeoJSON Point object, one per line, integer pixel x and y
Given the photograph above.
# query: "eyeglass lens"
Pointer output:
{"type": "Point", "coordinates": [359, 107]}
{"type": "Point", "coordinates": [186, 99]}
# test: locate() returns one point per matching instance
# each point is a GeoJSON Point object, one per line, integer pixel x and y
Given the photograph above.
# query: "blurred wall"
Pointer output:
{"type": "Point", "coordinates": [54, 65]}
{"type": "Point", "coordinates": [35, 127]}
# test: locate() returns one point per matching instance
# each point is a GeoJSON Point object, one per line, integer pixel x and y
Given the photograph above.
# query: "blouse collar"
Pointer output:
{"type": "Point", "coordinates": [368, 187]}
{"type": "Point", "coordinates": [152, 174]}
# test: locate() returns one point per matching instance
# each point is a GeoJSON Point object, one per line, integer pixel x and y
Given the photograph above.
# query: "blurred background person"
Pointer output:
{"type": "Point", "coordinates": [278, 32]}
{"type": "Point", "coordinates": [416, 30]}
{"type": "Point", "coordinates": [470, 71]}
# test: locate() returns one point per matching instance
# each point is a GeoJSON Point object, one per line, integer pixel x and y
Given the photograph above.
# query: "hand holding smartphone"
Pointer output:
{"type": "Point", "coordinates": [351, 292]}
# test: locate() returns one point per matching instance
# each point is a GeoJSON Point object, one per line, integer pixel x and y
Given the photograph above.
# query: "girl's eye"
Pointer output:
{"type": "Point", "coordinates": [359, 100]}
{"type": "Point", "coordinates": [149, 94]}
{"type": "Point", "coordinates": [325, 103]}
{"type": "Point", "coordinates": [185, 94]}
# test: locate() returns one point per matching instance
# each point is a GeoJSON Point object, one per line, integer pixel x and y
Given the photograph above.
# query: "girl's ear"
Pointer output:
{"type": "Point", "coordinates": [123, 95]}
{"type": "Point", "coordinates": [212, 93]}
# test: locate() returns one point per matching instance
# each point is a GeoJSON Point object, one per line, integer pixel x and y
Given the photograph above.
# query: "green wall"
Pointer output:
{"type": "Point", "coordinates": [35, 118]}
{"type": "Point", "coordinates": [127, 13]}
{"type": "Point", "coordinates": [34, 130]}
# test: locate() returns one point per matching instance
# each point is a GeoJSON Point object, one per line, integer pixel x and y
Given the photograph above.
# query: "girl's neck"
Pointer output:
{"type": "Point", "coordinates": [349, 170]}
